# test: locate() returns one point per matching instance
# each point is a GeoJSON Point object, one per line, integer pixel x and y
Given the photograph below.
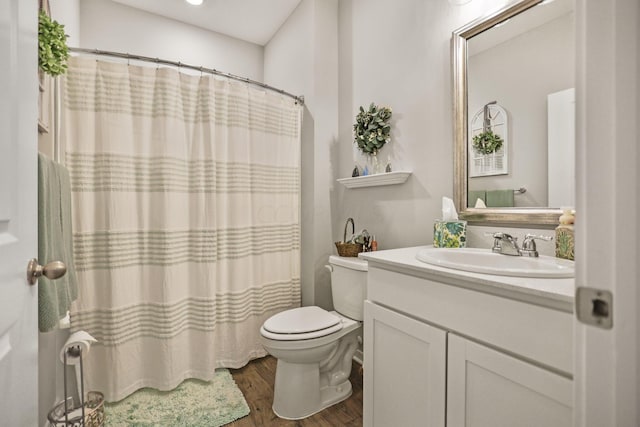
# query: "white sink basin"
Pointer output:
{"type": "Point", "coordinates": [485, 261]}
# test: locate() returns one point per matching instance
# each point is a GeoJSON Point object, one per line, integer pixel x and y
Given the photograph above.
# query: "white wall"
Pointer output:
{"type": "Point", "coordinates": [67, 12]}
{"type": "Point", "coordinates": [399, 55]}
{"type": "Point", "coordinates": [302, 58]}
{"type": "Point", "coordinates": [406, 66]}
{"type": "Point", "coordinates": [396, 56]}
{"type": "Point", "coordinates": [112, 26]}
{"type": "Point", "coordinates": [519, 74]}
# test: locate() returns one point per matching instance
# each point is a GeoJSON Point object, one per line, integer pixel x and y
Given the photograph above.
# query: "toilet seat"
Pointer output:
{"type": "Point", "coordinates": [301, 323]}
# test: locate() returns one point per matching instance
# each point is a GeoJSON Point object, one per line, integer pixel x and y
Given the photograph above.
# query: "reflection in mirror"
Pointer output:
{"type": "Point", "coordinates": [514, 75]}
{"type": "Point", "coordinates": [525, 63]}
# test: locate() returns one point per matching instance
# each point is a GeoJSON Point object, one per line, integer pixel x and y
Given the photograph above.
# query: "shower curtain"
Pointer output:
{"type": "Point", "coordinates": [186, 194]}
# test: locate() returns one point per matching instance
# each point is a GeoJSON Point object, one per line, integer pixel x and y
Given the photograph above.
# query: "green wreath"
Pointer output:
{"type": "Point", "coordinates": [487, 142]}
{"type": "Point", "coordinates": [372, 129]}
{"type": "Point", "coordinates": [52, 46]}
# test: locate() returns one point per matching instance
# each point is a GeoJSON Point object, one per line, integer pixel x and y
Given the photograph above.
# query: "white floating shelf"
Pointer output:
{"type": "Point", "coordinates": [388, 178]}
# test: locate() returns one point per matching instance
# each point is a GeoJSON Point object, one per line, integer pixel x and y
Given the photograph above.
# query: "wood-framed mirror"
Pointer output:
{"type": "Point", "coordinates": [512, 66]}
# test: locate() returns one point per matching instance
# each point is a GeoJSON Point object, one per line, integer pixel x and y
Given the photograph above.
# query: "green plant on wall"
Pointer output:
{"type": "Point", "coordinates": [487, 142]}
{"type": "Point", "coordinates": [52, 46]}
{"type": "Point", "coordinates": [372, 129]}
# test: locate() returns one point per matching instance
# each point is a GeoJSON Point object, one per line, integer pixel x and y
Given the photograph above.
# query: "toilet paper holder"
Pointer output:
{"type": "Point", "coordinates": [91, 409]}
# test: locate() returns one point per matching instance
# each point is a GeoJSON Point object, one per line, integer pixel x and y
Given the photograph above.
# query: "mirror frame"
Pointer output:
{"type": "Point", "coordinates": [515, 216]}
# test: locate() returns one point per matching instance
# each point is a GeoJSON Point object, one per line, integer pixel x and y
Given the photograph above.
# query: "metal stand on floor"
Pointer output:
{"type": "Point", "coordinates": [90, 412]}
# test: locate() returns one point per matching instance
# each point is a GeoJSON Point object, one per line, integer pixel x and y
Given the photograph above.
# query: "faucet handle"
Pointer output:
{"type": "Point", "coordinates": [499, 235]}
{"type": "Point", "coordinates": [532, 237]}
{"type": "Point", "coordinates": [494, 234]}
{"type": "Point", "coordinates": [529, 244]}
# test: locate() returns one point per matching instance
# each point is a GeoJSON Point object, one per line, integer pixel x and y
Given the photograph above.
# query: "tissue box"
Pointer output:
{"type": "Point", "coordinates": [450, 234]}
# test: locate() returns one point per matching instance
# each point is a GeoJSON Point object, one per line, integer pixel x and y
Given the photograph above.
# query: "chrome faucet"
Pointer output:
{"type": "Point", "coordinates": [506, 244]}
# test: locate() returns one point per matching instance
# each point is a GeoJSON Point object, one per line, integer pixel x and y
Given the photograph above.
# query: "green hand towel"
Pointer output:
{"type": "Point", "coordinates": [473, 195]}
{"type": "Point", "coordinates": [500, 199]}
{"type": "Point", "coordinates": [55, 242]}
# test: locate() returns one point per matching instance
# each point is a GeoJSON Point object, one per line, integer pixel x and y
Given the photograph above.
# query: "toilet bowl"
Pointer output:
{"type": "Point", "coordinates": [315, 347]}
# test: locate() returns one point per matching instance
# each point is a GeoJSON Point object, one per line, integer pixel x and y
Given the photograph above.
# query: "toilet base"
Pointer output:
{"type": "Point", "coordinates": [336, 394]}
{"type": "Point", "coordinates": [329, 396]}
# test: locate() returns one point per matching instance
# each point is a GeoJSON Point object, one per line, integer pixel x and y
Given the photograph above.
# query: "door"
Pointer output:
{"type": "Point", "coordinates": [561, 148]}
{"type": "Point", "coordinates": [18, 212]}
{"type": "Point", "coordinates": [607, 361]}
{"type": "Point", "coordinates": [488, 388]}
{"type": "Point", "coordinates": [404, 371]}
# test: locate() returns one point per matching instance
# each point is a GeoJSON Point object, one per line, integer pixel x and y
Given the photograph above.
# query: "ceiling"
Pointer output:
{"type": "Point", "coordinates": [534, 17]}
{"type": "Point", "coordinates": [255, 21]}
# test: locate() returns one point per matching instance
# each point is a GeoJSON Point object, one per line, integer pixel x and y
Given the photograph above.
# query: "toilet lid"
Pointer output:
{"type": "Point", "coordinates": [301, 321]}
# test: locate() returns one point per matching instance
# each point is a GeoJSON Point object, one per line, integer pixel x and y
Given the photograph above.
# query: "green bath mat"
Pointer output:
{"type": "Point", "coordinates": [193, 403]}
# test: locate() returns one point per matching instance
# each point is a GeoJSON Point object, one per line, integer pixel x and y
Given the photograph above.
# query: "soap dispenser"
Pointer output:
{"type": "Point", "coordinates": [564, 235]}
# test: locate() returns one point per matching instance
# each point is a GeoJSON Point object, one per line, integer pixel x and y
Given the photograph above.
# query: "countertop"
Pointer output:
{"type": "Point", "coordinates": [549, 292]}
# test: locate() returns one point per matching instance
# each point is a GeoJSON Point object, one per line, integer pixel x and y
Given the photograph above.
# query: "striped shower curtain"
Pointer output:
{"type": "Point", "coordinates": [186, 194]}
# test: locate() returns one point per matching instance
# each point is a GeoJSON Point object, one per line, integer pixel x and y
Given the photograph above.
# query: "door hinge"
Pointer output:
{"type": "Point", "coordinates": [594, 307]}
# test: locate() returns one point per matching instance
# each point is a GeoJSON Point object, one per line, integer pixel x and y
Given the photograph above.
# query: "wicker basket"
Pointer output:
{"type": "Point", "coordinates": [93, 412]}
{"type": "Point", "coordinates": [349, 249]}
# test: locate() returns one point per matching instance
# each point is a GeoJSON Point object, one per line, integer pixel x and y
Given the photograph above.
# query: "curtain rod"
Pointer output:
{"type": "Point", "coordinates": [298, 99]}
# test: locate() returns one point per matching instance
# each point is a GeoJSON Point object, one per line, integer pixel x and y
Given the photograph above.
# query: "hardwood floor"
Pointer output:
{"type": "Point", "coordinates": [256, 382]}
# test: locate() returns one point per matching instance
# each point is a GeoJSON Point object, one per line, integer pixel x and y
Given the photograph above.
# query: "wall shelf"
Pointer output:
{"type": "Point", "coordinates": [388, 178]}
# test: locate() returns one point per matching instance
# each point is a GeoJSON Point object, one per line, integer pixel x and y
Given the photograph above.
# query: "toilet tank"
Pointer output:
{"type": "Point", "coordinates": [349, 285]}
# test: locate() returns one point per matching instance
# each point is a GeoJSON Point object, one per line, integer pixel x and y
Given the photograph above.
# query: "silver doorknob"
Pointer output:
{"type": "Point", "coordinates": [53, 270]}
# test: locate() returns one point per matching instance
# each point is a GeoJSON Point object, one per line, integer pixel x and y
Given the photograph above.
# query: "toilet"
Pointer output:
{"type": "Point", "coordinates": [315, 347]}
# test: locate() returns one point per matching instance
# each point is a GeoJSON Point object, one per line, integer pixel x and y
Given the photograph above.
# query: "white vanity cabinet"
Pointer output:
{"type": "Point", "coordinates": [457, 349]}
{"type": "Point", "coordinates": [406, 372]}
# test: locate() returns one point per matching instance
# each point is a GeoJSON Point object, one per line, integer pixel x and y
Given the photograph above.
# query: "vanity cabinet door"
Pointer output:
{"type": "Point", "coordinates": [488, 388]}
{"type": "Point", "coordinates": [404, 370]}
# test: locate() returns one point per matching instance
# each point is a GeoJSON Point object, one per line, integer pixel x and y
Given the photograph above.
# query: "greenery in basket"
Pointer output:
{"type": "Point", "coordinates": [372, 129]}
{"type": "Point", "coordinates": [487, 142]}
{"type": "Point", "coordinates": [52, 46]}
